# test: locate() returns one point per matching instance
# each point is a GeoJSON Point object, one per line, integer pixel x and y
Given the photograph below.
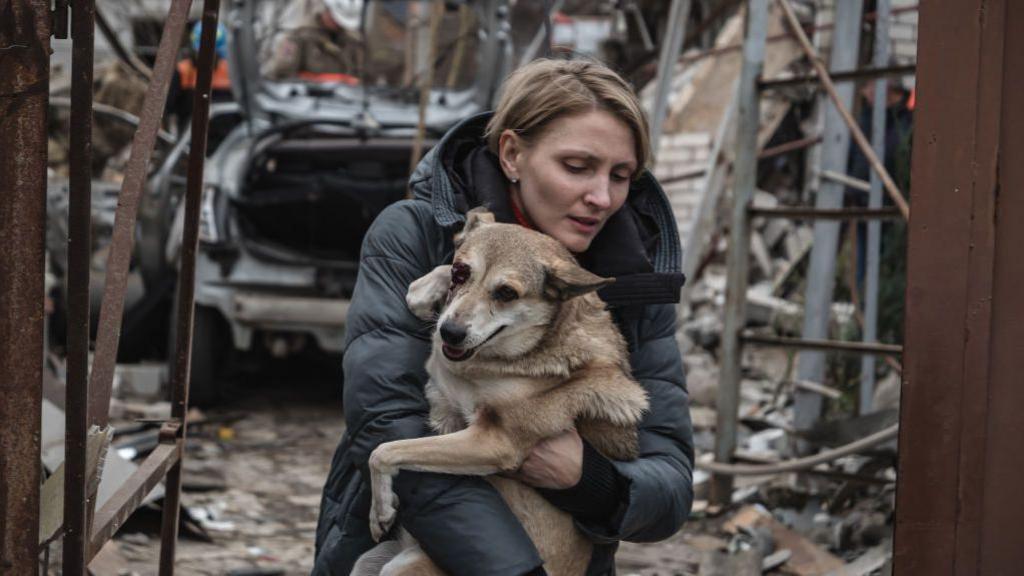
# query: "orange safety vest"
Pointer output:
{"type": "Point", "coordinates": [189, 74]}
{"type": "Point", "coordinates": [328, 77]}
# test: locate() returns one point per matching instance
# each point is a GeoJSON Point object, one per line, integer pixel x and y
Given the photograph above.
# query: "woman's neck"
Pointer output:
{"type": "Point", "coordinates": [517, 209]}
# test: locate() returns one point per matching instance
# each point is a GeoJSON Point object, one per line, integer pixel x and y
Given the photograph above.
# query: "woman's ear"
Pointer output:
{"type": "Point", "coordinates": [510, 148]}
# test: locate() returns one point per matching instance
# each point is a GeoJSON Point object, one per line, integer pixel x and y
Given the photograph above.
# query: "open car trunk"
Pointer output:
{"type": "Point", "coordinates": [313, 199]}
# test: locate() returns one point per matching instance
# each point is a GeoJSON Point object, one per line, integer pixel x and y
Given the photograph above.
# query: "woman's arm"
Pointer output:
{"type": "Point", "coordinates": [461, 522]}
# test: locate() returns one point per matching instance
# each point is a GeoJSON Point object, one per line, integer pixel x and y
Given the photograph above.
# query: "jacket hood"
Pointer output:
{"type": "Point", "coordinates": [639, 245]}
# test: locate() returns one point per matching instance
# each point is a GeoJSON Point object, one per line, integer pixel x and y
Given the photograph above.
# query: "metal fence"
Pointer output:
{"type": "Point", "coordinates": [25, 30]}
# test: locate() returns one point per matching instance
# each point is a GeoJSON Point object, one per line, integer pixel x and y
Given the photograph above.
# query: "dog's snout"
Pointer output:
{"type": "Point", "coordinates": [452, 333]}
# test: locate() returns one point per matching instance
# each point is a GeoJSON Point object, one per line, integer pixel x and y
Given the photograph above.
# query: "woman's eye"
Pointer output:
{"type": "Point", "coordinates": [620, 177]}
{"type": "Point", "coordinates": [505, 294]}
{"type": "Point", "coordinates": [460, 273]}
{"type": "Point", "coordinates": [575, 169]}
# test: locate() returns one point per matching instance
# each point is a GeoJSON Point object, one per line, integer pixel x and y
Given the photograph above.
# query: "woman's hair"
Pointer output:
{"type": "Point", "coordinates": [544, 90]}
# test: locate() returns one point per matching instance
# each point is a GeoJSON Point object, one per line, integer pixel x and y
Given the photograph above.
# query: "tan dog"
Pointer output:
{"type": "Point", "coordinates": [523, 351]}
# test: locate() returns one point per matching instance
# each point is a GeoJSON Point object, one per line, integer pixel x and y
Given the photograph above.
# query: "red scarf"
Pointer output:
{"type": "Point", "coordinates": [520, 219]}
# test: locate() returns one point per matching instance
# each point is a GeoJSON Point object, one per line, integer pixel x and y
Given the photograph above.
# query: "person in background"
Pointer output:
{"type": "Point", "coordinates": [186, 73]}
{"type": "Point", "coordinates": [324, 47]}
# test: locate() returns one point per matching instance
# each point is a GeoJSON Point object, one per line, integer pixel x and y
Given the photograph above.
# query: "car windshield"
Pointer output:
{"type": "Point", "coordinates": [380, 43]}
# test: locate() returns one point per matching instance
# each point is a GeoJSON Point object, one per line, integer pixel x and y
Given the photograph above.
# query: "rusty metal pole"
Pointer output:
{"type": "Point", "coordinates": [111, 310]}
{"type": "Point", "coordinates": [24, 88]}
{"type": "Point", "coordinates": [76, 508]}
{"type": "Point", "coordinates": [186, 279]}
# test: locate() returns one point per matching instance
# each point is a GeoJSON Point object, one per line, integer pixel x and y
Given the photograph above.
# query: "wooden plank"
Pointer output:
{"type": "Point", "coordinates": [1001, 551]}
{"type": "Point", "coordinates": [960, 460]}
{"type": "Point", "coordinates": [51, 505]}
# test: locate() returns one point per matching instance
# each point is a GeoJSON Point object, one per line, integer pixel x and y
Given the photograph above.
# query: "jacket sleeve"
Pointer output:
{"type": "Point", "coordinates": [461, 522]}
{"type": "Point", "coordinates": [658, 491]}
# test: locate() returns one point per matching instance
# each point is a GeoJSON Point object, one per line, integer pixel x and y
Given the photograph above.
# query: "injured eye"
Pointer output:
{"type": "Point", "coordinates": [460, 273]}
{"type": "Point", "coordinates": [505, 293]}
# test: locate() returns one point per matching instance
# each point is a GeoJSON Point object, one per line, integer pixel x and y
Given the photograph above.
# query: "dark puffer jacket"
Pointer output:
{"type": "Point", "coordinates": [462, 522]}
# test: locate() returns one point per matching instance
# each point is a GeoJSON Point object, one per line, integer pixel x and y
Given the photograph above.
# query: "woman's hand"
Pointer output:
{"type": "Point", "coordinates": [555, 463]}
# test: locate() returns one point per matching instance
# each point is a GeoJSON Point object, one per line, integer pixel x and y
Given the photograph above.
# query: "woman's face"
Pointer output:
{"type": "Point", "coordinates": [573, 177]}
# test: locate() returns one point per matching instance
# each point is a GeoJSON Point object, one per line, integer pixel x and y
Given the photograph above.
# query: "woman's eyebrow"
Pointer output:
{"type": "Point", "coordinates": [582, 154]}
{"type": "Point", "coordinates": [591, 157]}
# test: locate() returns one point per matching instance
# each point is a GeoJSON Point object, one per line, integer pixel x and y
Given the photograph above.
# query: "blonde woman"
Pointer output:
{"type": "Point", "coordinates": [564, 153]}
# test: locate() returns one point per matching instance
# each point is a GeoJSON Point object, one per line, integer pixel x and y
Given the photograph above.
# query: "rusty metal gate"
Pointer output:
{"type": "Point", "coordinates": [25, 30]}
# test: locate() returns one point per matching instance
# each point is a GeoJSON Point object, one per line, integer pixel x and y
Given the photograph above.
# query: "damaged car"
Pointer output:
{"type": "Point", "coordinates": [326, 125]}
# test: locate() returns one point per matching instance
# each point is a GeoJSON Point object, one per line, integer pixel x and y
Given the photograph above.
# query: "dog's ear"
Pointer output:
{"type": "Point", "coordinates": [475, 218]}
{"type": "Point", "coordinates": [565, 280]}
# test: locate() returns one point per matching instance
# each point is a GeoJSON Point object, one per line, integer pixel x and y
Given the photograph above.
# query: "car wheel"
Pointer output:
{"type": "Point", "coordinates": [211, 347]}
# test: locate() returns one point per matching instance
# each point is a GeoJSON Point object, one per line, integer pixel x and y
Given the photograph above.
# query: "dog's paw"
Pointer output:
{"type": "Point", "coordinates": [383, 512]}
{"type": "Point", "coordinates": [384, 502]}
{"type": "Point", "coordinates": [426, 294]}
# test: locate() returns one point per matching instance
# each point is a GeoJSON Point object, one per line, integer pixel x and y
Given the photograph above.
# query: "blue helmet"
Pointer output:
{"type": "Point", "coordinates": [220, 45]}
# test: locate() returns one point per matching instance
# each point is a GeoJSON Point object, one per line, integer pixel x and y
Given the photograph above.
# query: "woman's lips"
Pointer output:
{"type": "Point", "coordinates": [584, 224]}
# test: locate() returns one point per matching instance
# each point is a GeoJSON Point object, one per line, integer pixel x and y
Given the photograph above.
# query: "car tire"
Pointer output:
{"type": "Point", "coordinates": [211, 347]}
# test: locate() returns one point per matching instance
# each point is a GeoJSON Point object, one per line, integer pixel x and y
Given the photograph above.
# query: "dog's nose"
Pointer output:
{"type": "Point", "coordinates": [453, 334]}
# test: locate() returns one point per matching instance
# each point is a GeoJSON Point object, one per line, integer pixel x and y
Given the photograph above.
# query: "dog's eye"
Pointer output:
{"type": "Point", "coordinates": [505, 294]}
{"type": "Point", "coordinates": [460, 273]}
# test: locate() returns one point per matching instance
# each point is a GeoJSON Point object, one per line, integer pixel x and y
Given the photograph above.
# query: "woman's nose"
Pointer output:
{"type": "Point", "coordinates": [599, 196]}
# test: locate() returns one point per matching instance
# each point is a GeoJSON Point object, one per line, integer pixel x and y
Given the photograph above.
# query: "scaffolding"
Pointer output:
{"type": "Point", "coordinates": [827, 213]}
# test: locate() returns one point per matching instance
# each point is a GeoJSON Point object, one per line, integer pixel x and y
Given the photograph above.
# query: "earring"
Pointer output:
{"type": "Point", "coordinates": [514, 180]}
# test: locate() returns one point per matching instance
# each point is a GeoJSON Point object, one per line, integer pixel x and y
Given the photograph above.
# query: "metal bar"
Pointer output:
{"type": "Point", "coordinates": [24, 87]}
{"type": "Point", "coordinates": [855, 183]}
{"type": "Point", "coordinates": [844, 109]}
{"type": "Point", "coordinates": [115, 112]}
{"type": "Point", "coordinates": [876, 71]}
{"type": "Point", "coordinates": [123, 237]}
{"type": "Point", "coordinates": [540, 36]}
{"type": "Point", "coordinates": [131, 494]}
{"type": "Point", "coordinates": [60, 19]}
{"type": "Point", "coordinates": [798, 212]}
{"type": "Point", "coordinates": [126, 56]}
{"type": "Point", "coordinates": [672, 44]}
{"type": "Point", "coordinates": [874, 243]}
{"type": "Point", "coordinates": [788, 147]}
{"type": "Point", "coordinates": [822, 262]}
{"type": "Point", "coordinates": [825, 345]}
{"type": "Point", "coordinates": [641, 26]}
{"type": "Point", "coordinates": [76, 514]}
{"type": "Point", "coordinates": [818, 388]}
{"type": "Point", "coordinates": [748, 123]}
{"type": "Point", "coordinates": [187, 275]}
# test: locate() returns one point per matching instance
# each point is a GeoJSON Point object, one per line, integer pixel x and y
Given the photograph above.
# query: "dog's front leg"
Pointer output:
{"type": "Point", "coordinates": [475, 451]}
{"type": "Point", "coordinates": [426, 295]}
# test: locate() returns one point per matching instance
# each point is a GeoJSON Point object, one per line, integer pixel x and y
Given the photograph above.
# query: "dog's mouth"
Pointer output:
{"type": "Point", "coordinates": [456, 354]}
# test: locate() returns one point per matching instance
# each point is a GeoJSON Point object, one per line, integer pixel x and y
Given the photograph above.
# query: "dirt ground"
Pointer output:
{"type": "Point", "coordinates": [256, 483]}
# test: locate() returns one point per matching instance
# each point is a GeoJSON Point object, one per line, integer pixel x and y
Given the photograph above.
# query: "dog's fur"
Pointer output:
{"type": "Point", "coordinates": [530, 367]}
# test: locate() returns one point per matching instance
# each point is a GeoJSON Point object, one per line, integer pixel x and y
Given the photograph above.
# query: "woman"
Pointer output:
{"type": "Point", "coordinates": [564, 153]}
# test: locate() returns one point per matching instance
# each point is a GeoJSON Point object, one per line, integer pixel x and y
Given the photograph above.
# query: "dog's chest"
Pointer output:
{"type": "Point", "coordinates": [467, 396]}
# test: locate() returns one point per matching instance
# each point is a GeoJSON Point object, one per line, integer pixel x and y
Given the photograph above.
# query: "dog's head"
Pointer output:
{"type": "Point", "coordinates": [508, 285]}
